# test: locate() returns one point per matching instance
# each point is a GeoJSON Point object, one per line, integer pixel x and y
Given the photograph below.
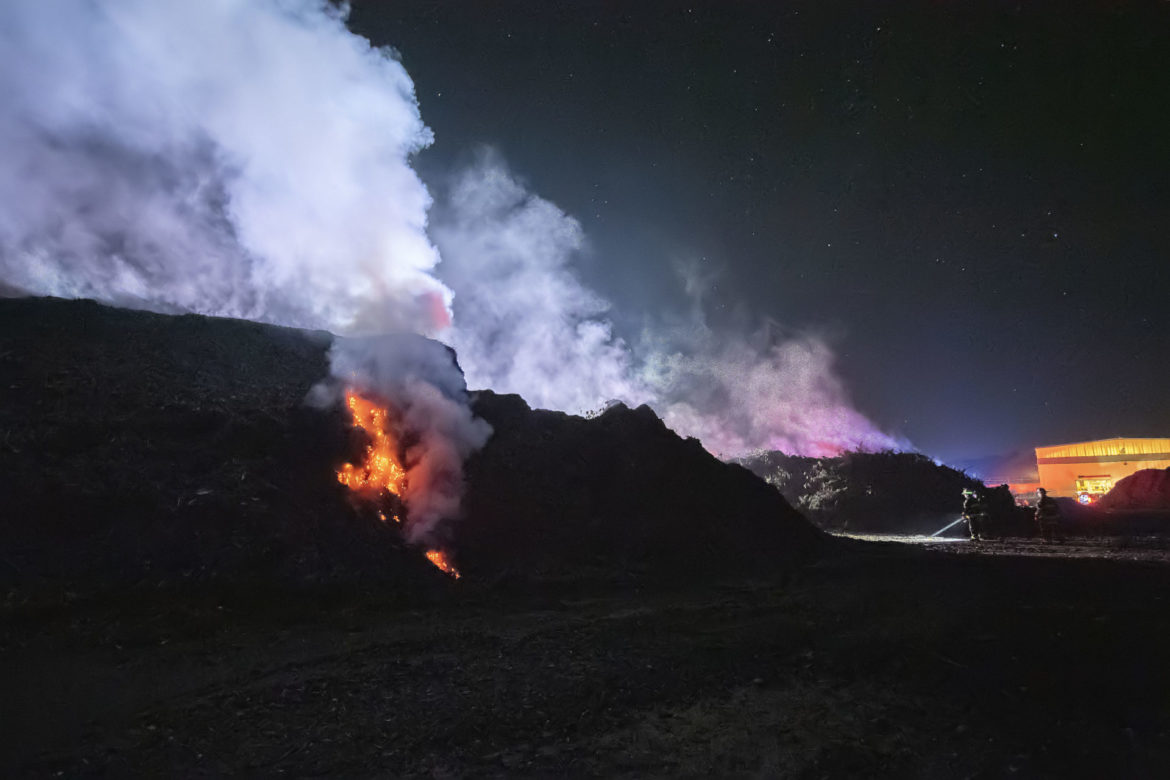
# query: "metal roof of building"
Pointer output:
{"type": "Point", "coordinates": [1106, 448]}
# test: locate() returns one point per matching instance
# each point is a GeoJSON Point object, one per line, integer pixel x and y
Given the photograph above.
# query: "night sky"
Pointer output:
{"type": "Point", "coordinates": [970, 199]}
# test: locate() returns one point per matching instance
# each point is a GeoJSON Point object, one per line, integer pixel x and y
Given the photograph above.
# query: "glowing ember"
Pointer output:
{"type": "Point", "coordinates": [439, 558]}
{"type": "Point", "coordinates": [380, 470]}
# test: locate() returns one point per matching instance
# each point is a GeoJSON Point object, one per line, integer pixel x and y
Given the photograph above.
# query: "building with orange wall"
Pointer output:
{"type": "Point", "coordinates": [1092, 468]}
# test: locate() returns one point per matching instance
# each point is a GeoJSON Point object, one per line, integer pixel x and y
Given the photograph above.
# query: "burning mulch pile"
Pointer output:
{"type": "Point", "coordinates": [884, 492]}
{"type": "Point", "coordinates": [140, 449]}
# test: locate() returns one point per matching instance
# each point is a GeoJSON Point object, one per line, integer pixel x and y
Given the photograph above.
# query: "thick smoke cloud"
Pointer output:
{"type": "Point", "coordinates": [250, 158]}
{"type": "Point", "coordinates": [230, 157]}
{"type": "Point", "coordinates": [243, 158]}
{"type": "Point", "coordinates": [525, 323]}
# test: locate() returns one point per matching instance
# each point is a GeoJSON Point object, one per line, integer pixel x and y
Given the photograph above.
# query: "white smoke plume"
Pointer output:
{"type": "Point", "coordinates": [230, 157]}
{"type": "Point", "coordinates": [245, 158]}
{"type": "Point", "coordinates": [525, 323]}
{"type": "Point", "coordinates": [251, 158]}
{"type": "Point", "coordinates": [741, 394]}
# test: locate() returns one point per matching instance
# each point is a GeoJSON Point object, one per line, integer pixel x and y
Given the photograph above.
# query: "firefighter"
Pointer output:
{"type": "Point", "coordinates": [975, 513]}
{"type": "Point", "coordinates": [1047, 516]}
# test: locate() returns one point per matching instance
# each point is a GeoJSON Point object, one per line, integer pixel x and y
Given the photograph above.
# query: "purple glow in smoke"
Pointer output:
{"type": "Point", "coordinates": [272, 181]}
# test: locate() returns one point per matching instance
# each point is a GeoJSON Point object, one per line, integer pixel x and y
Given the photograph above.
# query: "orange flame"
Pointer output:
{"type": "Point", "coordinates": [439, 558]}
{"type": "Point", "coordinates": [380, 470]}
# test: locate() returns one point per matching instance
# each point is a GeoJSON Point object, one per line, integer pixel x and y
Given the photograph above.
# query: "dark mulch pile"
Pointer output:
{"type": "Point", "coordinates": [143, 448]}
{"type": "Point", "coordinates": [620, 492]}
{"type": "Point", "coordinates": [139, 448]}
{"type": "Point", "coordinates": [883, 492]}
{"type": "Point", "coordinates": [1147, 490]}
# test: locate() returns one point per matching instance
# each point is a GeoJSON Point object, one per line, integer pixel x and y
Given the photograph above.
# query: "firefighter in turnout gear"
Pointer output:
{"type": "Point", "coordinates": [975, 513]}
{"type": "Point", "coordinates": [1047, 516]}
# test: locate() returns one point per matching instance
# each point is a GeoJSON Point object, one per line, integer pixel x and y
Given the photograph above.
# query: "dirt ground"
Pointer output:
{"type": "Point", "coordinates": [884, 659]}
{"type": "Point", "coordinates": [1151, 547]}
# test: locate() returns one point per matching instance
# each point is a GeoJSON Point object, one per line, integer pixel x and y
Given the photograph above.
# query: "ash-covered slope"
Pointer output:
{"type": "Point", "coordinates": [620, 492]}
{"type": "Point", "coordinates": [138, 448]}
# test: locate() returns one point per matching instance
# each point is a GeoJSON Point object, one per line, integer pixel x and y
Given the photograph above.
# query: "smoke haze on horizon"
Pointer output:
{"type": "Point", "coordinates": [273, 181]}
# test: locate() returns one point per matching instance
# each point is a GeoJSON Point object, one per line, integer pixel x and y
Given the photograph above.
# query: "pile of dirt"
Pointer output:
{"type": "Point", "coordinates": [143, 449]}
{"type": "Point", "coordinates": [620, 492]}
{"type": "Point", "coordinates": [1147, 490]}
{"type": "Point", "coordinates": [884, 492]}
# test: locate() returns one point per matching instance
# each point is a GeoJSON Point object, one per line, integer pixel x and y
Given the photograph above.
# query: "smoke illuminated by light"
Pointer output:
{"type": "Point", "coordinates": [271, 180]}
{"type": "Point", "coordinates": [230, 157]}
{"type": "Point", "coordinates": [525, 323]}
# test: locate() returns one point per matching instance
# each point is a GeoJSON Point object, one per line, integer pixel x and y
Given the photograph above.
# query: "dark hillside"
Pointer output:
{"type": "Point", "coordinates": [144, 448]}
{"type": "Point", "coordinates": [138, 448]}
{"type": "Point", "coordinates": [621, 492]}
{"type": "Point", "coordinates": [882, 492]}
